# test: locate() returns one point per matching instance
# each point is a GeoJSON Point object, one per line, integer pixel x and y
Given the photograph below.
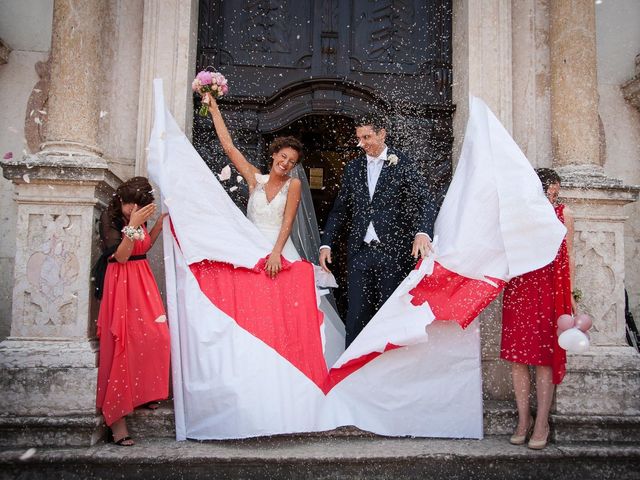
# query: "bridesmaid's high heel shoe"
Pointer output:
{"type": "Point", "coordinates": [539, 444]}
{"type": "Point", "coordinates": [521, 439]}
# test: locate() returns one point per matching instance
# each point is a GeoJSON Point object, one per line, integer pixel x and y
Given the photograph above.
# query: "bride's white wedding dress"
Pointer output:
{"type": "Point", "coordinates": [268, 217]}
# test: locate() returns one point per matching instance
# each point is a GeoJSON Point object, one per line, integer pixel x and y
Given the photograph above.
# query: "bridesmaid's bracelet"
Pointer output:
{"type": "Point", "coordinates": [133, 233]}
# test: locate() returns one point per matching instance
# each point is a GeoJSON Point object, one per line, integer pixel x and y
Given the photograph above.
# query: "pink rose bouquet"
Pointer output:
{"type": "Point", "coordinates": [209, 82]}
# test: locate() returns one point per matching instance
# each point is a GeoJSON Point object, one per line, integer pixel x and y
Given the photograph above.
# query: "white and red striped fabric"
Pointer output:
{"type": "Point", "coordinates": [247, 351]}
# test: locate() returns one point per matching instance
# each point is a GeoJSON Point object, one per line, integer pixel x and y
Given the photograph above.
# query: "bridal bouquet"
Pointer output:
{"type": "Point", "coordinates": [209, 82]}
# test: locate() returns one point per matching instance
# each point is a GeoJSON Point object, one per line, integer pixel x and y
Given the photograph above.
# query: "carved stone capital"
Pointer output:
{"type": "Point", "coordinates": [4, 52]}
{"type": "Point", "coordinates": [631, 89]}
{"type": "Point", "coordinates": [41, 177]}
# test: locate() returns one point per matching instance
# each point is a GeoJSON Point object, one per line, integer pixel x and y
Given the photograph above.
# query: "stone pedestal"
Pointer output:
{"type": "Point", "coordinates": [599, 399]}
{"type": "Point", "coordinates": [48, 364]}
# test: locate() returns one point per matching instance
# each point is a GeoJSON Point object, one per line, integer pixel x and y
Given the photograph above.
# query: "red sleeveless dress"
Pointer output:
{"type": "Point", "coordinates": [134, 338]}
{"type": "Point", "coordinates": [531, 306]}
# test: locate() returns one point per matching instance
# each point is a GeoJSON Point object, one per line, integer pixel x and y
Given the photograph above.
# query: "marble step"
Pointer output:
{"type": "Point", "coordinates": [499, 419]}
{"type": "Point", "coordinates": [329, 457]}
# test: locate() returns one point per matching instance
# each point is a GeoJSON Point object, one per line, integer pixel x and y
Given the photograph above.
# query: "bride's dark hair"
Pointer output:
{"type": "Point", "coordinates": [283, 142]}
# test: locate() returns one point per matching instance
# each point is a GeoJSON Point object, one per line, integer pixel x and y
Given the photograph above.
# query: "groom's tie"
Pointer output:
{"type": "Point", "coordinates": [374, 167]}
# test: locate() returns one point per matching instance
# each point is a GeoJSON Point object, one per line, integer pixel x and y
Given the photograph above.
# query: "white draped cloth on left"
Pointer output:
{"type": "Point", "coordinates": [409, 372]}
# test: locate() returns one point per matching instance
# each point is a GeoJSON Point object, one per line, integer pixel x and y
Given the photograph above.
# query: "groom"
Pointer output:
{"type": "Point", "coordinates": [389, 214]}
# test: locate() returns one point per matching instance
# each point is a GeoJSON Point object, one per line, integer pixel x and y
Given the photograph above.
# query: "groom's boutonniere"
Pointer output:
{"type": "Point", "coordinates": [392, 159]}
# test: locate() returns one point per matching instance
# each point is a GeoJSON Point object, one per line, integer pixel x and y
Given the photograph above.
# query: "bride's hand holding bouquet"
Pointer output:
{"type": "Point", "coordinates": [209, 85]}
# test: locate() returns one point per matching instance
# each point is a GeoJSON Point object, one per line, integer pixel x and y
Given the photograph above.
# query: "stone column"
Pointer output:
{"type": "Point", "coordinates": [169, 40]}
{"type": "Point", "coordinates": [74, 97]}
{"type": "Point", "coordinates": [482, 52]}
{"type": "Point", "coordinates": [48, 364]}
{"type": "Point", "coordinates": [601, 391]}
{"type": "Point", "coordinates": [574, 84]}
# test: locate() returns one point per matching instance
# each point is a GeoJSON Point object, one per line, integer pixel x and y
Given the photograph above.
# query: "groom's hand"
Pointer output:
{"type": "Point", "coordinates": [421, 246]}
{"type": "Point", "coordinates": [325, 257]}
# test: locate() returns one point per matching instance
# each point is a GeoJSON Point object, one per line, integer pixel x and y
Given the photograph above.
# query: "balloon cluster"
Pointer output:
{"type": "Point", "coordinates": [572, 332]}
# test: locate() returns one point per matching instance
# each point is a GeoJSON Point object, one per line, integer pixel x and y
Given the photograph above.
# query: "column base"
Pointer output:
{"type": "Point", "coordinates": [48, 393]}
{"type": "Point", "coordinates": [596, 428]}
{"type": "Point", "coordinates": [599, 399]}
{"type": "Point", "coordinates": [44, 431]}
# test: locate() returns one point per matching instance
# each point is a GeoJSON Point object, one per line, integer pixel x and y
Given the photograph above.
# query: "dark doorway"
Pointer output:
{"type": "Point", "coordinates": [309, 67]}
{"type": "Point", "coordinates": [287, 59]}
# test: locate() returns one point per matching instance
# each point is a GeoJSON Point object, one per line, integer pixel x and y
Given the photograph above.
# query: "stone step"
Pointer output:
{"type": "Point", "coordinates": [301, 457]}
{"type": "Point", "coordinates": [499, 419]}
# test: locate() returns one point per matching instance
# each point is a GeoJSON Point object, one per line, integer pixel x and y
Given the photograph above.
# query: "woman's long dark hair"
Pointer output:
{"type": "Point", "coordinates": [136, 190]}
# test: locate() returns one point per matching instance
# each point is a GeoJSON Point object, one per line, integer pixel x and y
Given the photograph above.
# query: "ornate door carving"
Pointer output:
{"type": "Point", "coordinates": [286, 59]}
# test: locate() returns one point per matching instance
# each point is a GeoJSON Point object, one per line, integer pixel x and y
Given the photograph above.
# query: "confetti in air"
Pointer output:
{"type": "Point", "coordinates": [225, 173]}
{"type": "Point", "coordinates": [28, 454]}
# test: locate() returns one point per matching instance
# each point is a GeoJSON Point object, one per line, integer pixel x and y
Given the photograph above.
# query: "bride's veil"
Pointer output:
{"type": "Point", "coordinates": [305, 232]}
{"type": "Point", "coordinates": [305, 235]}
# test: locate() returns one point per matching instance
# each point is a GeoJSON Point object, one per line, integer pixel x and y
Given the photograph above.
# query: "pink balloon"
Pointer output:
{"type": "Point", "coordinates": [565, 322]}
{"type": "Point", "coordinates": [583, 322]}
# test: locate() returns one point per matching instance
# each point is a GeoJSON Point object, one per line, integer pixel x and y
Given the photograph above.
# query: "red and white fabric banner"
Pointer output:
{"type": "Point", "coordinates": [247, 351]}
{"type": "Point", "coordinates": [495, 223]}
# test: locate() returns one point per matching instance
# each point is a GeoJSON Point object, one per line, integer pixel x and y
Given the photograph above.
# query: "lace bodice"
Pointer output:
{"type": "Point", "coordinates": [264, 214]}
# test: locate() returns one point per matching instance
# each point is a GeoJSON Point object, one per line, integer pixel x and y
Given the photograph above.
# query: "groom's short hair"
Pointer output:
{"type": "Point", "coordinates": [375, 121]}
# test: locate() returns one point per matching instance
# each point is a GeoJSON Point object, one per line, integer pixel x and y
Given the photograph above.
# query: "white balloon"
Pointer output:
{"type": "Point", "coordinates": [573, 340]}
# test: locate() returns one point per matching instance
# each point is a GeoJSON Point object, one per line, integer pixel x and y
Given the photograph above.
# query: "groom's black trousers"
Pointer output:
{"type": "Point", "coordinates": [372, 276]}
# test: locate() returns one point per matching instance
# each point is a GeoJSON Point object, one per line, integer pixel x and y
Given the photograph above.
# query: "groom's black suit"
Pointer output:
{"type": "Point", "coordinates": [401, 207]}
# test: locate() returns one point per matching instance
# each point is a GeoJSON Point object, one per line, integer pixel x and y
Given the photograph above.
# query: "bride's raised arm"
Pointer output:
{"type": "Point", "coordinates": [245, 168]}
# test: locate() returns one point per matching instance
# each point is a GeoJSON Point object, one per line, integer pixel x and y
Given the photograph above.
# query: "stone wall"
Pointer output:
{"type": "Point", "coordinates": [618, 43]}
{"type": "Point", "coordinates": [25, 27]}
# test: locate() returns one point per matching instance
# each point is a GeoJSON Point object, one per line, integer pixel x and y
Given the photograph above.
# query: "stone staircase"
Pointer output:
{"type": "Point", "coordinates": [499, 419]}
{"type": "Point", "coordinates": [342, 453]}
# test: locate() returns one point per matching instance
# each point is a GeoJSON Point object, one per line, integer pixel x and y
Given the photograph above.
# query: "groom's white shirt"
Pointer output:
{"type": "Point", "coordinates": [374, 167]}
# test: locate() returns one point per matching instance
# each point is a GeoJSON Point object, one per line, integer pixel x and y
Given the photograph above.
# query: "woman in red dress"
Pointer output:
{"type": "Point", "coordinates": [532, 304]}
{"type": "Point", "coordinates": [132, 325]}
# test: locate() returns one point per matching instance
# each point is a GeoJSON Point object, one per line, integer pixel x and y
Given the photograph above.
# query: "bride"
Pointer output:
{"type": "Point", "coordinates": [273, 203]}
{"type": "Point", "coordinates": [273, 198]}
